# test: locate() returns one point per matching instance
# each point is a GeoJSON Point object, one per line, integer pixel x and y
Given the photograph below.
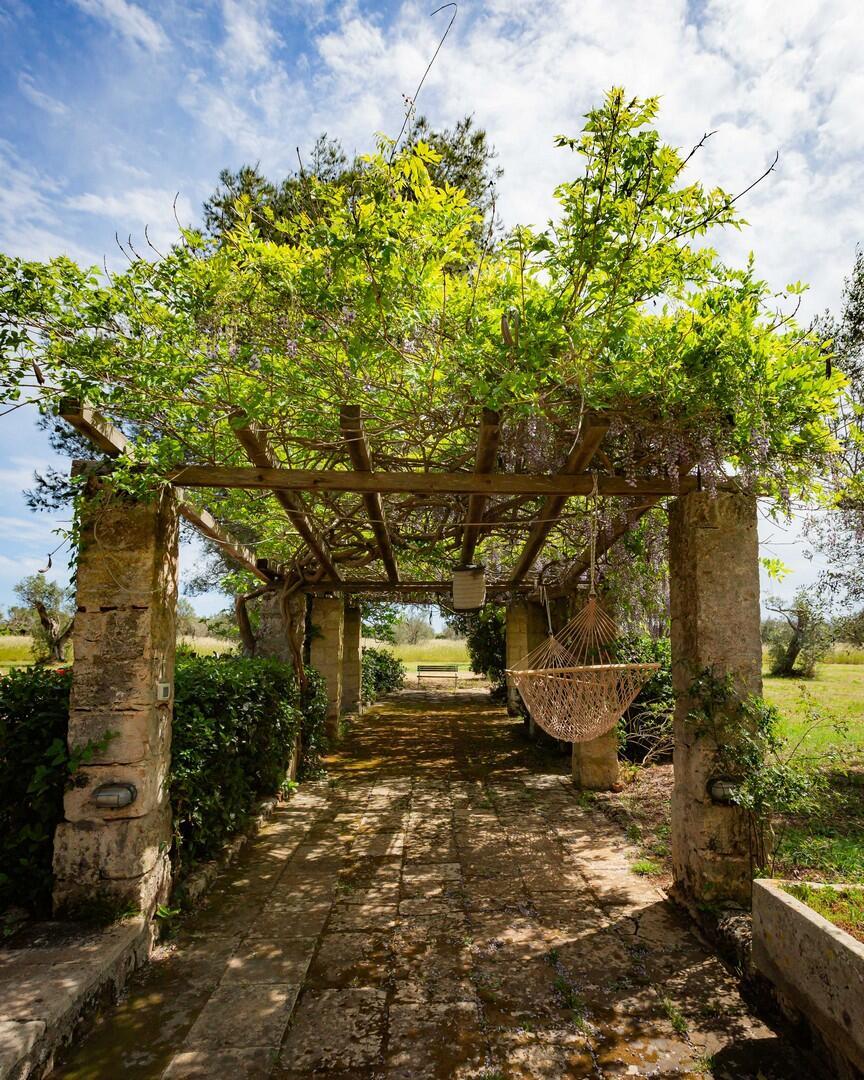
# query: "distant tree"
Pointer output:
{"type": "Point", "coordinates": [189, 624]}
{"type": "Point", "coordinates": [467, 161]}
{"type": "Point", "coordinates": [223, 625]}
{"type": "Point", "coordinates": [53, 626]}
{"type": "Point", "coordinates": [800, 637]}
{"type": "Point", "coordinates": [378, 619]}
{"type": "Point", "coordinates": [839, 534]}
{"type": "Point", "coordinates": [411, 629]}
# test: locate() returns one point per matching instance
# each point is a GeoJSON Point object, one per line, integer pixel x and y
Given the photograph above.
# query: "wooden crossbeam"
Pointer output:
{"type": "Point", "coordinates": [111, 440]}
{"type": "Point", "coordinates": [484, 464]}
{"type": "Point", "coordinates": [591, 435]}
{"type": "Point", "coordinates": [296, 480]}
{"type": "Point", "coordinates": [255, 445]}
{"type": "Point", "coordinates": [351, 422]}
{"type": "Point", "coordinates": [348, 585]}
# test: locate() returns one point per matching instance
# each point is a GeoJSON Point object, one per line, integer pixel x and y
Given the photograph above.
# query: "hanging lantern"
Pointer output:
{"type": "Point", "coordinates": [469, 588]}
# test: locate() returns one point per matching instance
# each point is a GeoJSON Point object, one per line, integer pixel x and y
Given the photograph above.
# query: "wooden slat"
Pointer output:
{"type": "Point", "coordinates": [205, 523]}
{"type": "Point", "coordinates": [351, 423]}
{"type": "Point", "coordinates": [259, 454]}
{"type": "Point", "coordinates": [110, 440]}
{"type": "Point", "coordinates": [296, 480]}
{"type": "Point", "coordinates": [100, 432]}
{"type": "Point", "coordinates": [579, 458]}
{"type": "Point", "coordinates": [484, 464]}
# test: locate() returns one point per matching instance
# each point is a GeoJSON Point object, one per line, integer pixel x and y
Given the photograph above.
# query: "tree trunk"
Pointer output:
{"type": "Point", "coordinates": [57, 638]}
{"type": "Point", "coordinates": [247, 638]}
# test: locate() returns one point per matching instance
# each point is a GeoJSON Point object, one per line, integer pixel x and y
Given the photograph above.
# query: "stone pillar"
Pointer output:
{"type": "Point", "coordinates": [124, 636]}
{"type": "Point", "coordinates": [326, 650]}
{"type": "Point", "coordinates": [272, 642]}
{"type": "Point", "coordinates": [525, 629]}
{"type": "Point", "coordinates": [714, 596]}
{"type": "Point", "coordinates": [351, 662]}
{"type": "Point", "coordinates": [282, 615]}
{"type": "Point", "coordinates": [594, 764]}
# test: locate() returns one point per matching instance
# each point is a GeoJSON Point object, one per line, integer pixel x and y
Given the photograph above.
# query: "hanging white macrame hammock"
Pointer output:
{"type": "Point", "coordinates": [571, 685]}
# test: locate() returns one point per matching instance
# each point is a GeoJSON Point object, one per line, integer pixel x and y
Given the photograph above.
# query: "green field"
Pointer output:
{"type": "Point", "coordinates": [838, 689]}
{"type": "Point", "coordinates": [434, 651]}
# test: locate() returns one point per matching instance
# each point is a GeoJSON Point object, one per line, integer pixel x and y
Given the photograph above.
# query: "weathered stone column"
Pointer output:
{"type": "Point", "coordinates": [351, 662]}
{"type": "Point", "coordinates": [714, 593]}
{"type": "Point", "coordinates": [282, 615]}
{"type": "Point", "coordinates": [273, 643]}
{"type": "Point", "coordinates": [525, 629]}
{"type": "Point", "coordinates": [594, 764]}
{"type": "Point", "coordinates": [326, 650]}
{"type": "Point", "coordinates": [124, 653]}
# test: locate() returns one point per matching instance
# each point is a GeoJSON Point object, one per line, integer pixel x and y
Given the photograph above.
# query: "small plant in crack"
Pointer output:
{"type": "Point", "coordinates": [674, 1016]}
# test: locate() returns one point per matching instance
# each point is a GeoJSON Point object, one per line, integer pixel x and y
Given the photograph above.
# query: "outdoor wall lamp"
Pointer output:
{"type": "Point", "coordinates": [722, 789]}
{"type": "Point", "coordinates": [115, 796]}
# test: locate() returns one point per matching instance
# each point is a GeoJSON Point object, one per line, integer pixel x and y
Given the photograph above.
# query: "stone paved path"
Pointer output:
{"type": "Point", "coordinates": [441, 906]}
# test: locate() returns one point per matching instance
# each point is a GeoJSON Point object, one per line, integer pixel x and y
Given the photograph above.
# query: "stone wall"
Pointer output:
{"type": "Point", "coordinates": [351, 662]}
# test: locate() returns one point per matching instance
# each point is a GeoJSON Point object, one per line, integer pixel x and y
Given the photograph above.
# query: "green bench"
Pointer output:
{"type": "Point", "coordinates": [433, 671]}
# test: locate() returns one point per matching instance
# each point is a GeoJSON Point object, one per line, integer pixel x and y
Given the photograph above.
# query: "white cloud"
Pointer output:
{"type": "Point", "coordinates": [39, 98]}
{"type": "Point", "coordinates": [31, 225]}
{"type": "Point", "coordinates": [129, 20]}
{"type": "Point", "coordinates": [249, 36]}
{"type": "Point", "coordinates": [153, 207]}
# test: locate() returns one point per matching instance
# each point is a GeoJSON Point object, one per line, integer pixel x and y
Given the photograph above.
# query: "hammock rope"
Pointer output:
{"type": "Point", "coordinates": [571, 684]}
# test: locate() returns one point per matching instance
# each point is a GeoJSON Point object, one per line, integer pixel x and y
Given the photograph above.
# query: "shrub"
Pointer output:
{"type": "Point", "coordinates": [646, 727]}
{"type": "Point", "coordinates": [382, 672]}
{"type": "Point", "coordinates": [235, 720]}
{"type": "Point", "coordinates": [35, 767]}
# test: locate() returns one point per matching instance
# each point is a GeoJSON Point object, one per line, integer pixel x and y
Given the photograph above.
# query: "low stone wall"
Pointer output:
{"type": "Point", "coordinates": [817, 968]}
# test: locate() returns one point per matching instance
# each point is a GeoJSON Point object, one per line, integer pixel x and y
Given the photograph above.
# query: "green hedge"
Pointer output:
{"type": "Point", "coordinates": [234, 725]}
{"type": "Point", "coordinates": [382, 671]}
{"type": "Point", "coordinates": [235, 722]}
{"type": "Point", "coordinates": [34, 770]}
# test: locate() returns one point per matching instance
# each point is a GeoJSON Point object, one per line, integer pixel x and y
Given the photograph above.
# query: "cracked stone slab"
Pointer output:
{"type": "Point", "coordinates": [336, 1029]}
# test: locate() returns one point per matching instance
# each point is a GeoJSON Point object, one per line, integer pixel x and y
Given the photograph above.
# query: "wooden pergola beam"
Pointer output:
{"type": "Point", "coordinates": [590, 436]}
{"type": "Point", "coordinates": [351, 422]}
{"type": "Point", "coordinates": [358, 585]}
{"type": "Point", "coordinates": [297, 480]}
{"type": "Point", "coordinates": [485, 461]}
{"type": "Point", "coordinates": [255, 445]}
{"type": "Point", "coordinates": [111, 440]}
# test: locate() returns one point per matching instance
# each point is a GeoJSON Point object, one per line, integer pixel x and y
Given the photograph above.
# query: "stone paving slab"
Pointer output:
{"type": "Point", "coordinates": [441, 906]}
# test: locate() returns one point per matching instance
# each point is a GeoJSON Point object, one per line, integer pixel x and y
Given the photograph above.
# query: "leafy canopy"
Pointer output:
{"type": "Point", "coordinates": [379, 289]}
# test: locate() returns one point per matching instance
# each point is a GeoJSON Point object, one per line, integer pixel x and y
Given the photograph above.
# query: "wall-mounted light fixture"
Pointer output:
{"type": "Point", "coordinates": [722, 789]}
{"type": "Point", "coordinates": [115, 796]}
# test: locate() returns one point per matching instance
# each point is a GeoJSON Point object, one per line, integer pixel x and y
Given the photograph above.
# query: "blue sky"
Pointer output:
{"type": "Point", "coordinates": [110, 110]}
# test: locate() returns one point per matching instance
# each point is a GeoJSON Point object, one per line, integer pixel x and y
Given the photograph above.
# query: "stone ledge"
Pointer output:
{"type": "Point", "coordinates": [57, 974]}
{"type": "Point", "coordinates": [816, 967]}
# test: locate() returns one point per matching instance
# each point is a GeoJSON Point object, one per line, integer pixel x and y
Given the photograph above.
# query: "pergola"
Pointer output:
{"type": "Point", "coordinates": [355, 522]}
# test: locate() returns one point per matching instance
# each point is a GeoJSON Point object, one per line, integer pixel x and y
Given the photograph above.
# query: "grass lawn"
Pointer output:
{"type": "Point", "coordinates": [825, 846]}
{"type": "Point", "coordinates": [837, 688]}
{"type": "Point", "coordinates": [434, 651]}
{"type": "Point", "coordinates": [15, 651]}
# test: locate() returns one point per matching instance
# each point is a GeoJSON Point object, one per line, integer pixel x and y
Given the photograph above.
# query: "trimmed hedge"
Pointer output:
{"type": "Point", "coordinates": [34, 770]}
{"type": "Point", "coordinates": [381, 672]}
{"type": "Point", "coordinates": [235, 720]}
